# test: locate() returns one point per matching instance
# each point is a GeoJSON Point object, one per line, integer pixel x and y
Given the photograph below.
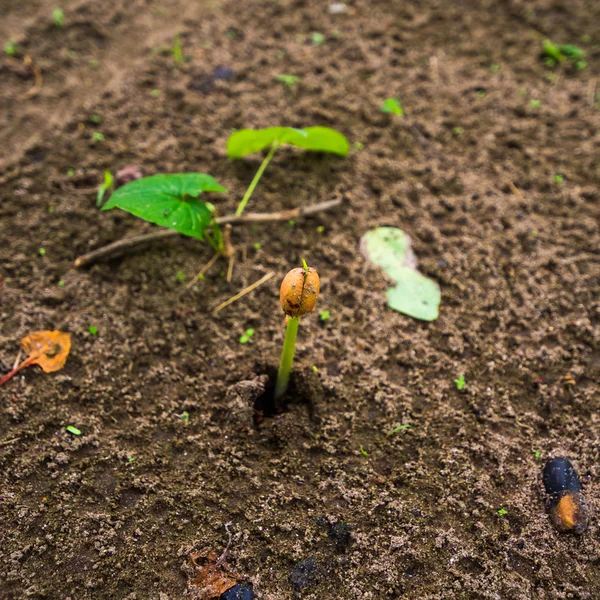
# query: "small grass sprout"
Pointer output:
{"type": "Point", "coordinates": [298, 296]}
{"type": "Point", "coordinates": [400, 428]}
{"type": "Point", "coordinates": [106, 186]}
{"type": "Point", "coordinates": [324, 315]}
{"type": "Point", "coordinates": [97, 136]}
{"type": "Point", "coordinates": [93, 329]}
{"type": "Point", "coordinates": [501, 512]}
{"type": "Point", "coordinates": [460, 382]}
{"type": "Point", "coordinates": [393, 106]}
{"type": "Point", "coordinates": [288, 80]}
{"type": "Point", "coordinates": [558, 178]}
{"type": "Point", "coordinates": [317, 38]}
{"type": "Point", "coordinates": [363, 451]}
{"type": "Point", "coordinates": [58, 17]}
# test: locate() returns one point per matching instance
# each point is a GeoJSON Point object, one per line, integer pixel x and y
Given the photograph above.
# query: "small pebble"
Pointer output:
{"type": "Point", "coordinates": [337, 8]}
{"type": "Point", "coordinates": [566, 504]}
{"type": "Point", "coordinates": [304, 573]}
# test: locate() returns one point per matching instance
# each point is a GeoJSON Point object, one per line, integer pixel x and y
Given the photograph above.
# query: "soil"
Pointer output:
{"type": "Point", "coordinates": [468, 173]}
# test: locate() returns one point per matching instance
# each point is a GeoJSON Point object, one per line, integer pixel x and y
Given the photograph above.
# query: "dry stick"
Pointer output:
{"type": "Point", "coordinates": [205, 268]}
{"type": "Point", "coordinates": [122, 246]}
{"type": "Point", "coordinates": [245, 291]}
{"type": "Point", "coordinates": [6, 442]}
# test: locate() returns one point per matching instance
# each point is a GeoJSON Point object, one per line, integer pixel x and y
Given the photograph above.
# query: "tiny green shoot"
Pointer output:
{"type": "Point", "coordinates": [177, 52]}
{"type": "Point", "coordinates": [535, 104]}
{"type": "Point", "coordinates": [155, 93]}
{"type": "Point", "coordinates": [257, 246]}
{"type": "Point", "coordinates": [480, 93]}
{"type": "Point", "coordinates": [288, 80]}
{"type": "Point", "coordinates": [457, 131]}
{"type": "Point", "coordinates": [93, 329]}
{"type": "Point", "coordinates": [291, 223]}
{"type": "Point", "coordinates": [317, 38]}
{"type": "Point", "coordinates": [537, 454]}
{"type": "Point", "coordinates": [42, 251]}
{"type": "Point", "coordinates": [105, 187]}
{"type": "Point", "coordinates": [359, 146]}
{"type": "Point", "coordinates": [502, 511]}
{"type": "Point", "coordinates": [61, 284]}
{"type": "Point", "coordinates": [315, 369]}
{"type": "Point", "coordinates": [185, 417]}
{"type": "Point", "coordinates": [72, 429]}
{"type": "Point", "coordinates": [393, 106]}
{"type": "Point", "coordinates": [494, 68]}
{"type": "Point", "coordinates": [558, 178]}
{"type": "Point", "coordinates": [400, 428]}
{"type": "Point", "coordinates": [363, 451]}
{"type": "Point", "coordinates": [70, 172]}
{"type": "Point", "coordinates": [97, 136]}
{"type": "Point", "coordinates": [51, 209]}
{"type": "Point", "coordinates": [555, 54]}
{"type": "Point", "coordinates": [10, 48]}
{"type": "Point", "coordinates": [96, 119]}
{"type": "Point", "coordinates": [320, 228]}
{"type": "Point", "coordinates": [460, 382]}
{"type": "Point", "coordinates": [180, 276]}
{"type": "Point", "coordinates": [324, 315]}
{"type": "Point", "coordinates": [58, 17]}
{"type": "Point", "coordinates": [298, 296]}
{"type": "Point", "coordinates": [245, 338]}
{"type": "Point", "coordinates": [94, 64]}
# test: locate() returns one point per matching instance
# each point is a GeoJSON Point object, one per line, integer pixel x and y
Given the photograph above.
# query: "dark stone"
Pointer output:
{"type": "Point", "coordinates": [304, 573]}
{"type": "Point", "coordinates": [339, 534]}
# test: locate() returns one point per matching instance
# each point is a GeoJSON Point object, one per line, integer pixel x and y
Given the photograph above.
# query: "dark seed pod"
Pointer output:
{"type": "Point", "coordinates": [566, 504]}
{"type": "Point", "coordinates": [560, 476]}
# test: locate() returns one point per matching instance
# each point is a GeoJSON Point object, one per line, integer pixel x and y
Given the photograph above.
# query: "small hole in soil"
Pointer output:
{"type": "Point", "coordinates": [302, 390]}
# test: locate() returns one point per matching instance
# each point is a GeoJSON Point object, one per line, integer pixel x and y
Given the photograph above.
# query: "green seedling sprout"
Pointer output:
{"type": "Point", "coordinates": [298, 296]}
{"type": "Point", "coordinates": [555, 54]}
{"type": "Point", "coordinates": [288, 80]}
{"type": "Point", "coordinates": [105, 187]}
{"type": "Point", "coordinates": [73, 430]}
{"type": "Point", "coordinates": [177, 52]}
{"type": "Point", "coordinates": [58, 17]}
{"type": "Point", "coordinates": [244, 339]}
{"type": "Point", "coordinates": [460, 382]}
{"type": "Point", "coordinates": [393, 106]}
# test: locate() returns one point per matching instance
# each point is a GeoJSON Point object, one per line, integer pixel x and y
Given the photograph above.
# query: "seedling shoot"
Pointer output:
{"type": "Point", "coordinates": [298, 296]}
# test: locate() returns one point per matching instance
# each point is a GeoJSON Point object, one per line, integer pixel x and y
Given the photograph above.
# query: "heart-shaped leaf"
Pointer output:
{"type": "Point", "coordinates": [317, 139]}
{"type": "Point", "coordinates": [169, 200]}
{"type": "Point", "coordinates": [414, 294]}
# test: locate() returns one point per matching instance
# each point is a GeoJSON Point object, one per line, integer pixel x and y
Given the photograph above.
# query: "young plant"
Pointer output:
{"type": "Point", "coordinates": [298, 296]}
{"type": "Point", "coordinates": [58, 17]}
{"type": "Point", "coordinates": [248, 141]}
{"type": "Point", "coordinates": [288, 80]}
{"type": "Point", "coordinates": [105, 187]}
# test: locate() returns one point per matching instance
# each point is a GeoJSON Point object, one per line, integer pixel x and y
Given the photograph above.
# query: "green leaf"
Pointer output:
{"type": "Point", "coordinates": [107, 185]}
{"type": "Point", "coordinates": [414, 294]}
{"type": "Point", "coordinates": [72, 429]}
{"type": "Point", "coordinates": [317, 139]}
{"type": "Point", "coordinates": [400, 428]}
{"type": "Point", "coordinates": [169, 200]}
{"type": "Point", "coordinates": [460, 382]}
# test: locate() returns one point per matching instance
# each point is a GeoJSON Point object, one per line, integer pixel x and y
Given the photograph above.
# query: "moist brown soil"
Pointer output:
{"type": "Point", "coordinates": [468, 173]}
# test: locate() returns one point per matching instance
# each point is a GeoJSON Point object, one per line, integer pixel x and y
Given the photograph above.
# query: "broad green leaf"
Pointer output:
{"type": "Point", "coordinates": [317, 139]}
{"type": "Point", "coordinates": [414, 294]}
{"type": "Point", "coordinates": [169, 200]}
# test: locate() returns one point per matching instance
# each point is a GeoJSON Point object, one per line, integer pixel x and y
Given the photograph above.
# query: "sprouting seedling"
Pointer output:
{"type": "Point", "coordinates": [317, 38]}
{"type": "Point", "coordinates": [177, 52]}
{"type": "Point", "coordinates": [460, 382]}
{"type": "Point", "coordinates": [58, 17]}
{"type": "Point", "coordinates": [11, 48]}
{"type": "Point", "coordinates": [288, 80]}
{"type": "Point", "coordinates": [555, 54]}
{"type": "Point", "coordinates": [393, 106]}
{"type": "Point", "coordinates": [245, 338]}
{"type": "Point", "coordinates": [106, 186]}
{"type": "Point", "coordinates": [298, 296]}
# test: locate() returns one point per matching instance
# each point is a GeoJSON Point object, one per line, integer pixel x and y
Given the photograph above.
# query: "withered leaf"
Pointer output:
{"type": "Point", "coordinates": [49, 349]}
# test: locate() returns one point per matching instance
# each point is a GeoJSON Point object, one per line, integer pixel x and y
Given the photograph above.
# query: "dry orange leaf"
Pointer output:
{"type": "Point", "coordinates": [211, 579]}
{"type": "Point", "coordinates": [49, 349]}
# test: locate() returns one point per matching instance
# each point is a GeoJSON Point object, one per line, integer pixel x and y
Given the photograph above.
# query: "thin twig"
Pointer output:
{"type": "Point", "coordinates": [7, 442]}
{"type": "Point", "coordinates": [223, 558]}
{"type": "Point", "coordinates": [245, 291]}
{"type": "Point", "coordinates": [205, 268]}
{"type": "Point", "coordinates": [122, 246]}
{"type": "Point", "coordinates": [37, 73]}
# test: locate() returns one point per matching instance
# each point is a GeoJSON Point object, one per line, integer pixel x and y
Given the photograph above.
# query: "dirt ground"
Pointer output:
{"type": "Point", "coordinates": [469, 173]}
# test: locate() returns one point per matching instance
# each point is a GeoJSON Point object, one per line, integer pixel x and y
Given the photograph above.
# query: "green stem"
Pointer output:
{"type": "Point", "coordinates": [254, 182]}
{"type": "Point", "coordinates": [287, 357]}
